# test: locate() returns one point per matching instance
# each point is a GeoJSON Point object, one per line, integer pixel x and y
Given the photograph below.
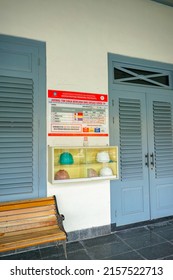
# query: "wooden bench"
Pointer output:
{"type": "Point", "coordinates": [31, 222]}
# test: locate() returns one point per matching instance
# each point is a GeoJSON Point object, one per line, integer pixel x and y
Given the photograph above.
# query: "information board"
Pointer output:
{"type": "Point", "coordinates": [77, 113]}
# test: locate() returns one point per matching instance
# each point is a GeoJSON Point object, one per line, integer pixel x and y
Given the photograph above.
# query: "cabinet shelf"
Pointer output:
{"type": "Point", "coordinates": [75, 164]}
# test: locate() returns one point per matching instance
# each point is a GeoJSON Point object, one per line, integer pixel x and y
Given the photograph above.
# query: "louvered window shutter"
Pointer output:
{"type": "Point", "coordinates": [16, 135]}
{"type": "Point", "coordinates": [163, 139]}
{"type": "Point", "coordinates": [130, 139]}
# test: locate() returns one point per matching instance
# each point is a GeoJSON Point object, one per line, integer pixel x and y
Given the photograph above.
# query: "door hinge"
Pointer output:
{"type": "Point", "coordinates": [39, 61]}
{"type": "Point", "coordinates": [112, 102]}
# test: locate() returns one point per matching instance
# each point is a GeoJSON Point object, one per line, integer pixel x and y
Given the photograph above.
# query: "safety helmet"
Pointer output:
{"type": "Point", "coordinates": [103, 157]}
{"type": "Point", "coordinates": [106, 171]}
{"type": "Point", "coordinates": [66, 158]}
{"type": "Point", "coordinates": [61, 175]}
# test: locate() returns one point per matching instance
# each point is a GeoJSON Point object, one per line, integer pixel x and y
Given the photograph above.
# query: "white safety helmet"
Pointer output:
{"type": "Point", "coordinates": [103, 157]}
{"type": "Point", "coordinates": [106, 171]}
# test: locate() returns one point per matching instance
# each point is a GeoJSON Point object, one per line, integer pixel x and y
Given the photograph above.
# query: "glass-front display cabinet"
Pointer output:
{"type": "Point", "coordinates": [69, 164]}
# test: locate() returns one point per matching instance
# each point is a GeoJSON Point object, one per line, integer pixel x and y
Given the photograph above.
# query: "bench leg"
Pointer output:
{"type": "Point", "coordinates": [64, 246]}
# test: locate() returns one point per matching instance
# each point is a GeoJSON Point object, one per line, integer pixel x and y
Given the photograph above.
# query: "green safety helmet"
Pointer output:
{"type": "Point", "coordinates": [66, 158]}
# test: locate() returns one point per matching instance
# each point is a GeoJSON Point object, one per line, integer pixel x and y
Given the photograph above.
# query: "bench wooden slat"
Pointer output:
{"type": "Point", "coordinates": [27, 201]}
{"type": "Point", "coordinates": [31, 240]}
{"type": "Point", "coordinates": [23, 221]}
{"type": "Point", "coordinates": [28, 226]}
{"type": "Point", "coordinates": [27, 215]}
{"type": "Point", "coordinates": [27, 210]}
{"type": "Point", "coordinates": [24, 205]}
{"type": "Point", "coordinates": [30, 222]}
{"type": "Point", "coordinates": [27, 236]}
{"type": "Point", "coordinates": [30, 230]}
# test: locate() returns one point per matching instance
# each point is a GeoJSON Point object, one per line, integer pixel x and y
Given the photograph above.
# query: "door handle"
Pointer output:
{"type": "Point", "coordinates": [146, 160]}
{"type": "Point", "coordinates": [152, 160]}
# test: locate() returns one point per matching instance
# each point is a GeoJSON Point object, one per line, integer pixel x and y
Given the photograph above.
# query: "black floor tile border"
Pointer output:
{"type": "Point", "coordinates": [115, 228]}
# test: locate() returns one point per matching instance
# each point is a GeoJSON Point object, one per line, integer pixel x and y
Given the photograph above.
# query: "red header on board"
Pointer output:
{"type": "Point", "coordinates": [77, 95]}
{"type": "Point", "coordinates": [79, 134]}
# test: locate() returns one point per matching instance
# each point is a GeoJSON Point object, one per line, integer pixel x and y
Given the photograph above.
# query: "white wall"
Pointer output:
{"type": "Point", "coordinates": [78, 35]}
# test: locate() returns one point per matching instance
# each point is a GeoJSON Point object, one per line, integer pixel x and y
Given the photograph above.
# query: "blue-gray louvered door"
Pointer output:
{"type": "Point", "coordinates": [22, 119]}
{"type": "Point", "coordinates": [143, 131]}
{"type": "Point", "coordinates": [160, 151]}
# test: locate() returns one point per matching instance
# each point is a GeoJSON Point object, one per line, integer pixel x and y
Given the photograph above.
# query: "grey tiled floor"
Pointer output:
{"type": "Point", "coordinates": [154, 241]}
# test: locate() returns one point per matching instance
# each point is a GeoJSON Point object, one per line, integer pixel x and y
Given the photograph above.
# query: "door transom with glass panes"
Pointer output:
{"type": "Point", "coordinates": [141, 124]}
